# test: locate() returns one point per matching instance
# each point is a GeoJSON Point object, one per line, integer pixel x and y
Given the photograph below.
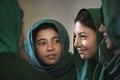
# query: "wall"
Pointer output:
{"type": "Point", "coordinates": [61, 10]}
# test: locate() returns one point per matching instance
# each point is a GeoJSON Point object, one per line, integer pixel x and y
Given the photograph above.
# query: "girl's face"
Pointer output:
{"type": "Point", "coordinates": [85, 41]}
{"type": "Point", "coordinates": [48, 46]}
{"type": "Point", "coordinates": [106, 37]}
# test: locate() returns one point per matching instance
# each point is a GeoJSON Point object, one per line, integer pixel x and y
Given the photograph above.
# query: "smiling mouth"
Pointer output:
{"type": "Point", "coordinates": [81, 51]}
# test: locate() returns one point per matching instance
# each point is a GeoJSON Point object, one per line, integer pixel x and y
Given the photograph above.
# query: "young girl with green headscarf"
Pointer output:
{"type": "Point", "coordinates": [47, 46]}
{"type": "Point", "coordinates": [86, 41]}
{"type": "Point", "coordinates": [110, 46]}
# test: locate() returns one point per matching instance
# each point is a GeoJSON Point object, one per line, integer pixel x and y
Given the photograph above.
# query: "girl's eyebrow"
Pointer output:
{"type": "Point", "coordinates": [40, 40]}
{"type": "Point", "coordinates": [45, 39]}
{"type": "Point", "coordinates": [56, 37]}
{"type": "Point", "coordinates": [81, 33]}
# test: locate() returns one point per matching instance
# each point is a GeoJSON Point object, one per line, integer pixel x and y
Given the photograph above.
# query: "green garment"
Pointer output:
{"type": "Point", "coordinates": [12, 67]}
{"type": "Point", "coordinates": [110, 62]}
{"type": "Point", "coordinates": [89, 69]}
{"type": "Point", "coordinates": [10, 26]}
{"type": "Point", "coordinates": [64, 69]}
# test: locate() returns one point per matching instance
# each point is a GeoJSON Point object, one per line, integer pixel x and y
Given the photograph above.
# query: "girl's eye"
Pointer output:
{"type": "Point", "coordinates": [74, 36]}
{"type": "Point", "coordinates": [57, 40]}
{"type": "Point", "coordinates": [83, 37]}
{"type": "Point", "coordinates": [41, 43]}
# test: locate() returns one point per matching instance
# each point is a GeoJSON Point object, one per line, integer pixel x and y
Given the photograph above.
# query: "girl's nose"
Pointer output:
{"type": "Point", "coordinates": [50, 47]}
{"type": "Point", "coordinates": [77, 42]}
{"type": "Point", "coordinates": [102, 28]}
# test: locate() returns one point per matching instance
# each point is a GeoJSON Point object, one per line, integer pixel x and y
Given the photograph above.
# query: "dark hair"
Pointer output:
{"type": "Point", "coordinates": [42, 26]}
{"type": "Point", "coordinates": [85, 19]}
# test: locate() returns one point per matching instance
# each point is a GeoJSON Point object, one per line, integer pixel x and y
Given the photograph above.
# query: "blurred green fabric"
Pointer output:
{"type": "Point", "coordinates": [12, 67]}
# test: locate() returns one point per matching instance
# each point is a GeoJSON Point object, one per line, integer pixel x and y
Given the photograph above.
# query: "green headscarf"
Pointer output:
{"type": "Point", "coordinates": [111, 13]}
{"type": "Point", "coordinates": [65, 68]}
{"type": "Point", "coordinates": [86, 69]}
{"type": "Point", "coordinates": [110, 63]}
{"type": "Point", "coordinates": [10, 26]}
